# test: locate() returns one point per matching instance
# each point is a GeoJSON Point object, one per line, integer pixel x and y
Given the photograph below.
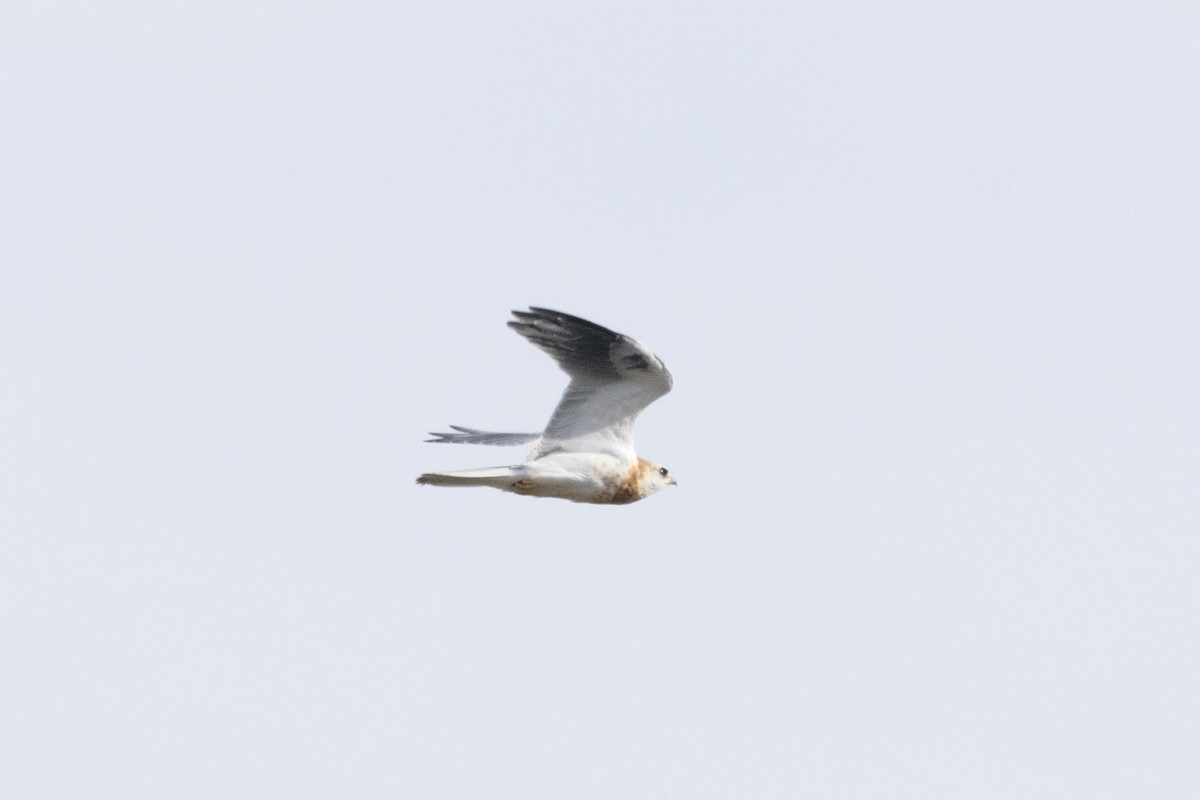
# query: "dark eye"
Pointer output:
{"type": "Point", "coordinates": [662, 471]}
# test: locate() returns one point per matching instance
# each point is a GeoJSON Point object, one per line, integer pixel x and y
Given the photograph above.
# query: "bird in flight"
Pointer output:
{"type": "Point", "coordinates": [586, 452]}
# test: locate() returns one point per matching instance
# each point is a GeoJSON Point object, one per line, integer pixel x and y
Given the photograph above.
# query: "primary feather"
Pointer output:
{"type": "Point", "coordinates": [473, 436]}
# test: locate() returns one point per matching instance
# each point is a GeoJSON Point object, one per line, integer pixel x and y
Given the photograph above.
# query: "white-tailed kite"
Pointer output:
{"type": "Point", "coordinates": [586, 452]}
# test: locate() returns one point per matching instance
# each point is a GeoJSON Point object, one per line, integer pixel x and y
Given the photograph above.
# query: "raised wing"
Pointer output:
{"type": "Point", "coordinates": [613, 377]}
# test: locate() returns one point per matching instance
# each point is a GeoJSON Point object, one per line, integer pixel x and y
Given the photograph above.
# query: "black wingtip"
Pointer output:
{"type": "Point", "coordinates": [536, 314]}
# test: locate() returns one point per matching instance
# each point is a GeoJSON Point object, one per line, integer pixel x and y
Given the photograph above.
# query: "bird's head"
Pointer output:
{"type": "Point", "coordinates": [656, 477]}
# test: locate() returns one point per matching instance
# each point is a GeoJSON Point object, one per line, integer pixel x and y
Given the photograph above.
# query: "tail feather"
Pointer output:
{"type": "Point", "coordinates": [473, 436]}
{"type": "Point", "coordinates": [496, 477]}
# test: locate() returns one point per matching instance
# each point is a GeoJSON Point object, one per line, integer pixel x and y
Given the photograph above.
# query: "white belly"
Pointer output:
{"type": "Point", "coordinates": [582, 477]}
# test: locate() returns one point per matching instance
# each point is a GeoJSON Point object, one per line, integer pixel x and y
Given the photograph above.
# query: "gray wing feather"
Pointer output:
{"type": "Point", "coordinates": [613, 377]}
{"type": "Point", "coordinates": [473, 436]}
{"type": "Point", "coordinates": [582, 348]}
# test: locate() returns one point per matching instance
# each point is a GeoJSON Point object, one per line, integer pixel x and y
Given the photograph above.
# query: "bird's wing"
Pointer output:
{"type": "Point", "coordinates": [613, 377]}
{"type": "Point", "coordinates": [474, 436]}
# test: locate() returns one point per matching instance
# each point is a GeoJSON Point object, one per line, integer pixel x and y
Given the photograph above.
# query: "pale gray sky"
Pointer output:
{"type": "Point", "coordinates": [926, 276]}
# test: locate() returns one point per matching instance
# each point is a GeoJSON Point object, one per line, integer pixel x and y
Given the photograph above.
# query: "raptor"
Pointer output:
{"type": "Point", "coordinates": [586, 452]}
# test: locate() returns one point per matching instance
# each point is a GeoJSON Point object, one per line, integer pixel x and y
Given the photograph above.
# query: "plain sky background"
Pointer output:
{"type": "Point", "coordinates": [927, 276]}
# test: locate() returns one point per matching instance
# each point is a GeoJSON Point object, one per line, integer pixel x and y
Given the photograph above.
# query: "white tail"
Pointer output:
{"type": "Point", "coordinates": [496, 477]}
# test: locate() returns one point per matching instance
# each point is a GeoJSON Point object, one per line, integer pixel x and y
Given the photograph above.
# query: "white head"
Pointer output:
{"type": "Point", "coordinates": [656, 477]}
{"type": "Point", "coordinates": [643, 480]}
